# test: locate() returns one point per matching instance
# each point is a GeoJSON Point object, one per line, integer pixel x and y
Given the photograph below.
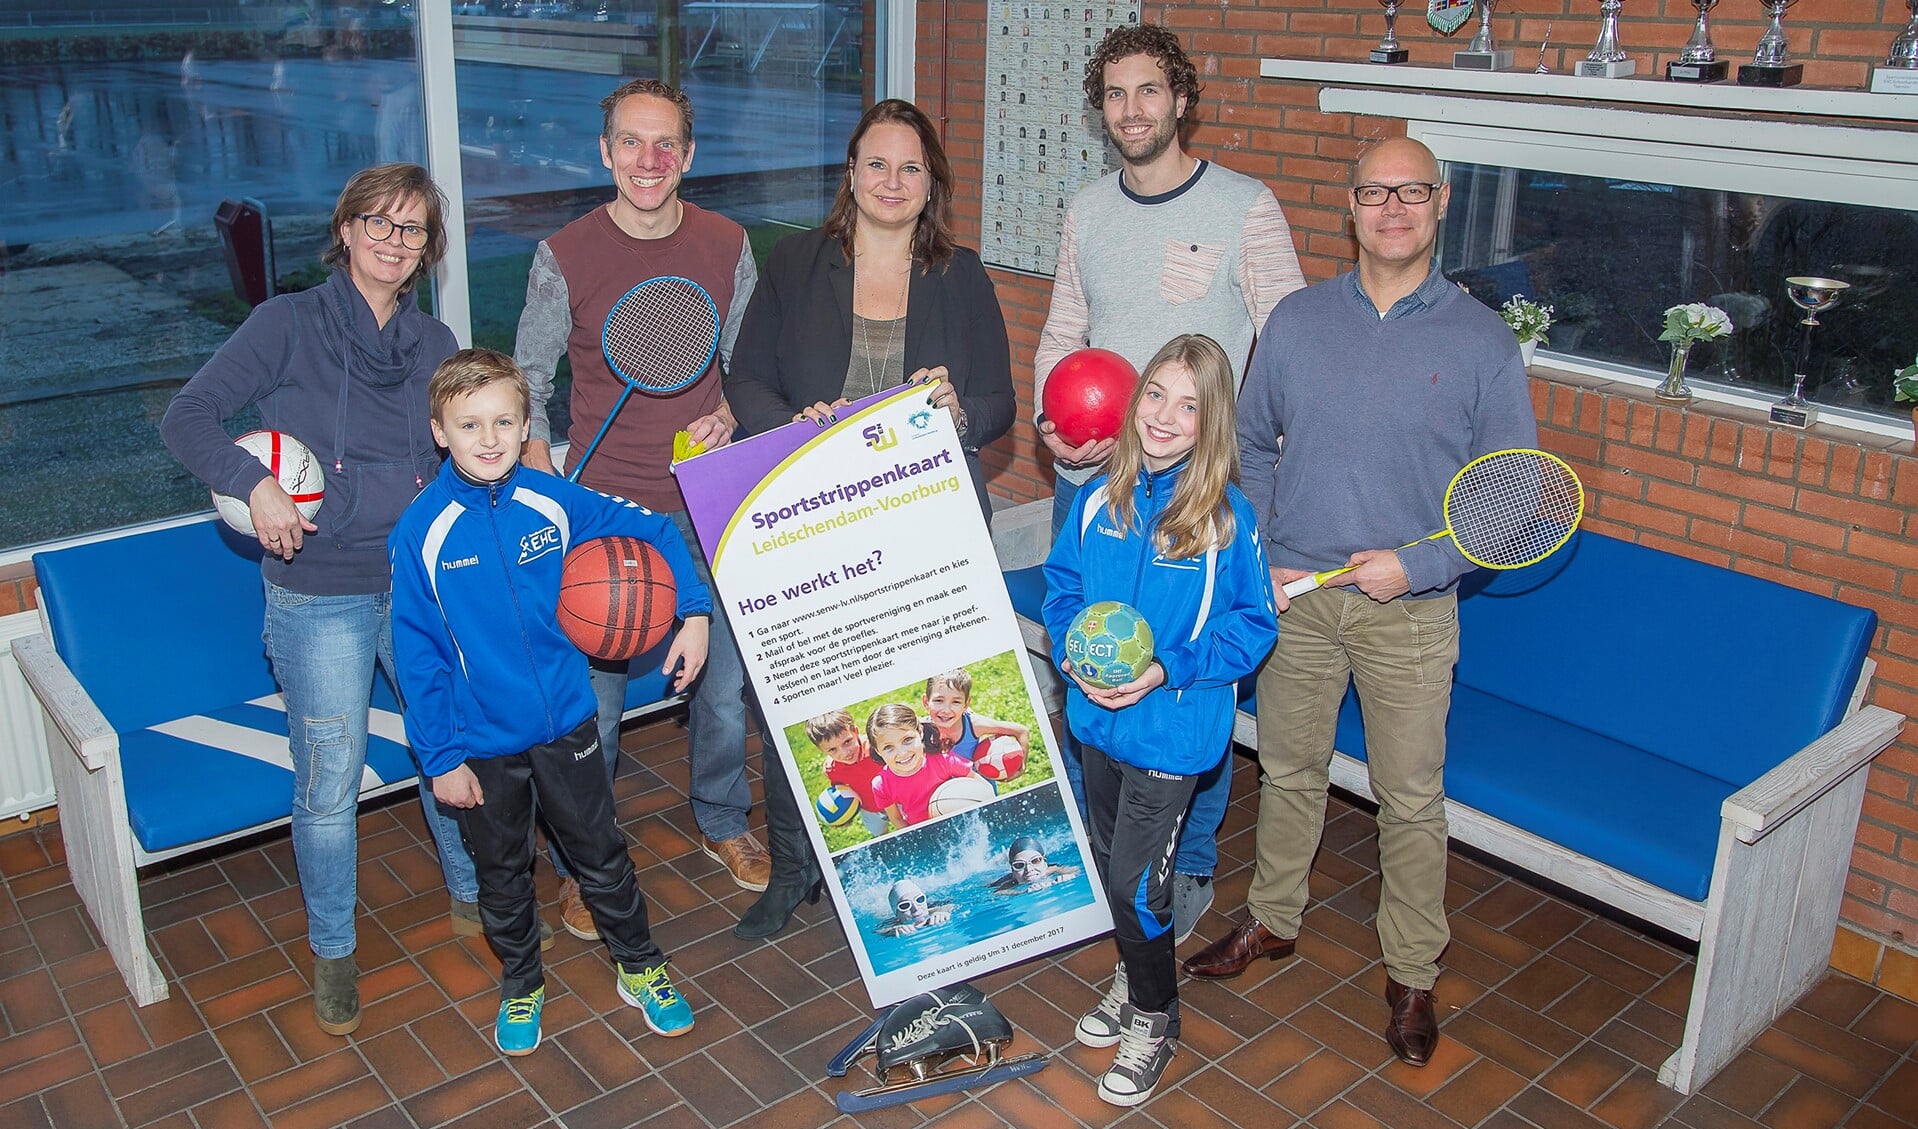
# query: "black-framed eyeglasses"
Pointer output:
{"type": "Point", "coordinates": [379, 229]}
{"type": "Point", "coordinates": [1375, 195]}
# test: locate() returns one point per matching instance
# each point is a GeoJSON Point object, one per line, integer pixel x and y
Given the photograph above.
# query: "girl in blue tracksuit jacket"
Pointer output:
{"type": "Point", "coordinates": [1166, 531]}
{"type": "Point", "coordinates": [499, 704]}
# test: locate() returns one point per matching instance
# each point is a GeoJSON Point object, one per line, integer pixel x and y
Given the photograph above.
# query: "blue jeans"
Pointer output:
{"type": "Point", "coordinates": [1199, 836]}
{"type": "Point", "coordinates": [716, 728]}
{"type": "Point", "coordinates": [323, 650]}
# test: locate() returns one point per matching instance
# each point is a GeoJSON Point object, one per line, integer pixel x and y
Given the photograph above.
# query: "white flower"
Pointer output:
{"type": "Point", "coordinates": [1528, 319]}
{"type": "Point", "coordinates": [1695, 321]}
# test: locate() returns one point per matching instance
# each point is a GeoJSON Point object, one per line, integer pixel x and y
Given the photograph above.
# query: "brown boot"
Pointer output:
{"type": "Point", "coordinates": [1233, 953]}
{"type": "Point", "coordinates": [573, 913]}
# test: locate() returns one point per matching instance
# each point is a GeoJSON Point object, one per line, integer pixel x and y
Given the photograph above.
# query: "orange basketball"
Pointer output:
{"type": "Point", "coordinates": [616, 597]}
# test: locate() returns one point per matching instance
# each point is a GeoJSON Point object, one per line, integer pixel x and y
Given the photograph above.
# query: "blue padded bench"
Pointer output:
{"type": "Point", "coordinates": [1676, 740]}
{"type": "Point", "coordinates": [166, 731]}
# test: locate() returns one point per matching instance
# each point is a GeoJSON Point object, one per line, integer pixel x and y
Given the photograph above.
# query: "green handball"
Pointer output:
{"type": "Point", "coordinates": [1109, 644]}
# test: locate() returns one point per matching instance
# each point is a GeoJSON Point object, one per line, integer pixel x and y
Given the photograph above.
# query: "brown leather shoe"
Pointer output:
{"type": "Point", "coordinates": [1231, 954]}
{"type": "Point", "coordinates": [750, 865]}
{"type": "Point", "coordinates": [573, 913]}
{"type": "Point", "coordinates": [1412, 1032]}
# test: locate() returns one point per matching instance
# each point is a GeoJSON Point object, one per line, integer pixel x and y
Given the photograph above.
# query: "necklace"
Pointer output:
{"type": "Point", "coordinates": [892, 327]}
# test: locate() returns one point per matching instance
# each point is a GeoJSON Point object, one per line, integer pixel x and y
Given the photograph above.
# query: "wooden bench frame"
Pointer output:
{"type": "Point", "coordinates": [102, 853]}
{"type": "Point", "coordinates": [1764, 931]}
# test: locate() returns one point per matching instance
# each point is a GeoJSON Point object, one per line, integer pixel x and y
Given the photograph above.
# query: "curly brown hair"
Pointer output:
{"type": "Point", "coordinates": [1145, 39]}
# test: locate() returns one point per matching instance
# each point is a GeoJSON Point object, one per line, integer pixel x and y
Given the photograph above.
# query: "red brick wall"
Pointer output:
{"type": "Point", "coordinates": [16, 590]}
{"type": "Point", "coordinates": [1818, 512]}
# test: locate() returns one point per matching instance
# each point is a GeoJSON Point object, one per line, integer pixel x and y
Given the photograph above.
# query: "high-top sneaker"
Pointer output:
{"type": "Point", "coordinates": [1145, 1050]}
{"type": "Point", "coordinates": [1101, 1026]}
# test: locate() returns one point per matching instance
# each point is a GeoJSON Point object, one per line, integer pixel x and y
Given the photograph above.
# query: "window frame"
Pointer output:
{"type": "Point", "coordinates": [1805, 159]}
{"type": "Point", "coordinates": [895, 60]}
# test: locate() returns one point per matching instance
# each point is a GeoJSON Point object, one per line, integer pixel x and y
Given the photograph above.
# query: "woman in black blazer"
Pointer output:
{"type": "Point", "coordinates": [878, 296]}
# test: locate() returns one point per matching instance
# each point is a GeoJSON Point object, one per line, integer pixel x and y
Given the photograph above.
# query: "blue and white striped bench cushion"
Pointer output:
{"type": "Point", "coordinates": [205, 776]}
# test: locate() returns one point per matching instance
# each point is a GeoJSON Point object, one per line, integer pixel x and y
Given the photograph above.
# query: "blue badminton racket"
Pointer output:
{"type": "Point", "coordinates": [659, 337]}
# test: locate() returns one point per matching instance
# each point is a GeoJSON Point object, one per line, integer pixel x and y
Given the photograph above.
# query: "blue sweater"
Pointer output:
{"type": "Point", "coordinates": [323, 371]}
{"type": "Point", "coordinates": [1212, 624]}
{"type": "Point", "coordinates": [1376, 415]}
{"type": "Point", "coordinates": [484, 668]}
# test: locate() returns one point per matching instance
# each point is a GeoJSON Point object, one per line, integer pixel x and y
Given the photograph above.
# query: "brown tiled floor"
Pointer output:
{"type": "Point", "coordinates": [1554, 1018]}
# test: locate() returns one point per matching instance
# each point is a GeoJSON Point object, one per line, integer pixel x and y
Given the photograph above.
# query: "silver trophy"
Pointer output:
{"type": "Point", "coordinates": [1388, 50]}
{"type": "Point", "coordinates": [1771, 64]}
{"type": "Point", "coordinates": [1899, 75]}
{"type": "Point", "coordinates": [1814, 296]}
{"type": "Point", "coordinates": [1698, 60]}
{"type": "Point", "coordinates": [1608, 59]}
{"type": "Point", "coordinates": [1482, 54]}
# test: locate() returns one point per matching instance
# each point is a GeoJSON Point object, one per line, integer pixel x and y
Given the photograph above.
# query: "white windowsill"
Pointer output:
{"type": "Point", "coordinates": [1644, 88]}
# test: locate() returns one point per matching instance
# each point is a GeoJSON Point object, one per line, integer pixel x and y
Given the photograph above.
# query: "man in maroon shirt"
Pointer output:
{"type": "Point", "coordinates": [645, 231]}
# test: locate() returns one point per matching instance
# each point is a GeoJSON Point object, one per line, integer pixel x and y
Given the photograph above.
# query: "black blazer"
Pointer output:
{"type": "Point", "coordinates": [796, 340]}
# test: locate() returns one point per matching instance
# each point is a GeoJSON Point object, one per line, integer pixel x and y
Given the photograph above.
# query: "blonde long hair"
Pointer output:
{"type": "Point", "coordinates": [1199, 517]}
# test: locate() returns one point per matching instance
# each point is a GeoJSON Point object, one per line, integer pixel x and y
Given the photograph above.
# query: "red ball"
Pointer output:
{"type": "Point", "coordinates": [1087, 393]}
{"type": "Point", "coordinates": [999, 759]}
{"type": "Point", "coordinates": [616, 597]}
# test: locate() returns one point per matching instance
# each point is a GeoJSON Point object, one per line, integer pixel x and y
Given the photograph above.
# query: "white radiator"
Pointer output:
{"type": "Point", "coordinates": [26, 780]}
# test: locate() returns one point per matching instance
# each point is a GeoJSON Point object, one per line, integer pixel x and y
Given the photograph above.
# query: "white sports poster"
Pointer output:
{"type": "Point", "coordinates": [861, 585]}
{"type": "Point", "coordinates": [1043, 141]}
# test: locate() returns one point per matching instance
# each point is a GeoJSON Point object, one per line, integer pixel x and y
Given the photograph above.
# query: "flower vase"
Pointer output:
{"type": "Point", "coordinates": [1675, 390]}
{"type": "Point", "coordinates": [1526, 349]}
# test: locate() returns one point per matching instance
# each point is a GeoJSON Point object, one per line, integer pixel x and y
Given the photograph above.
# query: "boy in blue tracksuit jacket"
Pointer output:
{"type": "Point", "coordinates": [1167, 532]}
{"type": "Point", "coordinates": [499, 707]}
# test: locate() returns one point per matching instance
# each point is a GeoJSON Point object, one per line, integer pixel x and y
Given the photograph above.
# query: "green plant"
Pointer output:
{"type": "Point", "coordinates": [1527, 318]}
{"type": "Point", "coordinates": [1904, 383]}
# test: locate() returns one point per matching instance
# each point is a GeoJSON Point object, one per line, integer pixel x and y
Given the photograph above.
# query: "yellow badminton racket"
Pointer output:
{"type": "Point", "coordinates": [1507, 509]}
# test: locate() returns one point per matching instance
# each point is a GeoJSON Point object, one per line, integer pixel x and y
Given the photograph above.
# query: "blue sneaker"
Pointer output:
{"type": "Point", "coordinates": [516, 1031]}
{"type": "Point", "coordinates": [667, 1012]}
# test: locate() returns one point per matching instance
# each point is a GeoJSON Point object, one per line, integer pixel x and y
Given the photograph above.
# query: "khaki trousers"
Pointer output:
{"type": "Point", "coordinates": [1400, 656]}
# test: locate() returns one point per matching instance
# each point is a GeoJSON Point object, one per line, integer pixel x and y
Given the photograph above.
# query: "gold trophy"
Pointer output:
{"type": "Point", "coordinates": [1814, 296]}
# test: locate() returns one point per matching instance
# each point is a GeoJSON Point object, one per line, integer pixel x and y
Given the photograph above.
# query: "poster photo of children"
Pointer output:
{"type": "Point", "coordinates": [934, 746]}
{"type": "Point", "coordinates": [982, 882]}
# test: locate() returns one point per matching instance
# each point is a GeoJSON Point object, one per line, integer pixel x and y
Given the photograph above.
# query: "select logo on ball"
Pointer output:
{"type": "Point", "coordinates": [1109, 644]}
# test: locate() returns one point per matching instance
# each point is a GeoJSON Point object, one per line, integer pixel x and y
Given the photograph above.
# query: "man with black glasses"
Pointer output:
{"type": "Point", "coordinates": [1381, 383]}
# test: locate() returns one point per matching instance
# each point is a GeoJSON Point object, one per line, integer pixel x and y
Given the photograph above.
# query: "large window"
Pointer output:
{"type": "Point", "coordinates": [776, 89]}
{"type": "Point", "coordinates": [126, 124]}
{"type": "Point", "coordinates": [1615, 212]}
{"type": "Point", "coordinates": [1611, 254]}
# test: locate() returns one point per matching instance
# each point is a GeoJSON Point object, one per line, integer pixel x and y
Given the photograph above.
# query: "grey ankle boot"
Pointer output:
{"type": "Point", "coordinates": [336, 994]}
